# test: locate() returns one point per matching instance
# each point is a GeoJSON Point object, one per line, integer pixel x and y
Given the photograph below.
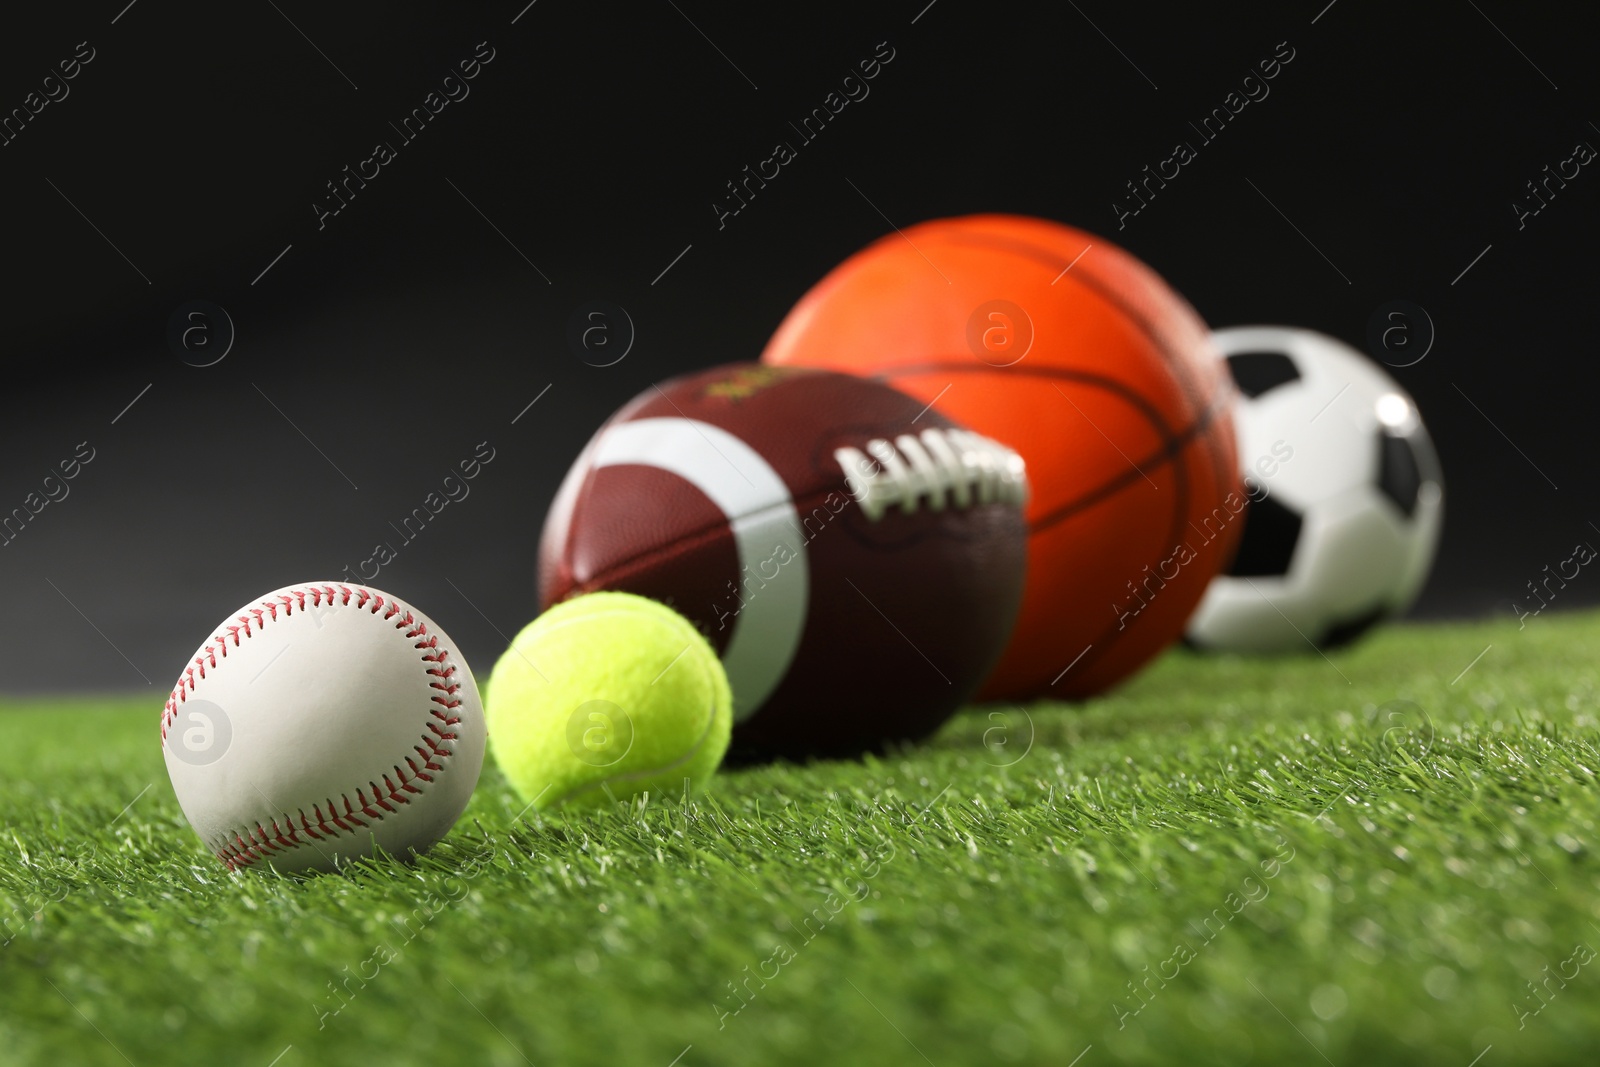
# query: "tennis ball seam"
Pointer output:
{"type": "Point", "coordinates": [650, 772]}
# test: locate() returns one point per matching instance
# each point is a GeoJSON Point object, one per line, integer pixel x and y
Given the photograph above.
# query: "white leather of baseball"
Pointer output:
{"type": "Point", "coordinates": [322, 720]}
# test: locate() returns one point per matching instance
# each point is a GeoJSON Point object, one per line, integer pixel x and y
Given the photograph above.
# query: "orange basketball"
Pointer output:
{"type": "Point", "coordinates": [1068, 349]}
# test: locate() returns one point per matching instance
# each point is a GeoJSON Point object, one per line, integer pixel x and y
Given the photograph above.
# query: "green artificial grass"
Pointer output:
{"type": "Point", "coordinates": [1228, 861]}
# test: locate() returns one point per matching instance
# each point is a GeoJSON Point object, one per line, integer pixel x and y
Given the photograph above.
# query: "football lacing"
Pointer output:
{"type": "Point", "coordinates": [960, 465]}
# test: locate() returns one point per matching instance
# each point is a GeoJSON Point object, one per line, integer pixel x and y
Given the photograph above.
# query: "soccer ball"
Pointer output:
{"type": "Point", "coordinates": [1346, 497]}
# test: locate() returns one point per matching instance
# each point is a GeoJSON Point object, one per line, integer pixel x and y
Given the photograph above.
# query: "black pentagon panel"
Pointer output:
{"type": "Point", "coordinates": [1267, 544]}
{"type": "Point", "coordinates": [1256, 372]}
{"type": "Point", "coordinates": [1399, 474]}
{"type": "Point", "coordinates": [1343, 633]}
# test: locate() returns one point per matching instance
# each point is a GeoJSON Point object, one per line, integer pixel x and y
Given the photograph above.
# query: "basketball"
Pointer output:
{"type": "Point", "coordinates": [1078, 356]}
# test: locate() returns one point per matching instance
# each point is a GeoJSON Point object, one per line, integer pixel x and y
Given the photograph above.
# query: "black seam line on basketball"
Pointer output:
{"type": "Point", "coordinates": [1179, 515]}
{"type": "Point", "coordinates": [1208, 411]}
{"type": "Point", "coordinates": [1180, 519]}
{"type": "Point", "coordinates": [963, 365]}
{"type": "Point", "coordinates": [1172, 447]}
{"type": "Point", "coordinates": [1167, 453]}
{"type": "Point", "coordinates": [1172, 443]}
{"type": "Point", "coordinates": [1089, 280]}
{"type": "Point", "coordinates": [690, 754]}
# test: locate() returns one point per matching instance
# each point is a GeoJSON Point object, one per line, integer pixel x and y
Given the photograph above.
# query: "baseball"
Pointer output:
{"type": "Point", "coordinates": [321, 723]}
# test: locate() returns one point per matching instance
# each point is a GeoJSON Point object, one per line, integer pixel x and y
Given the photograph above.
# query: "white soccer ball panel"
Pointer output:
{"type": "Point", "coordinates": [1352, 555]}
{"type": "Point", "coordinates": [1231, 616]}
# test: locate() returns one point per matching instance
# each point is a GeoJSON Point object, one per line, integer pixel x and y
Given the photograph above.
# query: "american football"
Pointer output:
{"type": "Point", "coordinates": [842, 547]}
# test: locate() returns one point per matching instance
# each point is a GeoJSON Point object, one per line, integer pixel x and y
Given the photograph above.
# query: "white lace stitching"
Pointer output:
{"type": "Point", "coordinates": [936, 464]}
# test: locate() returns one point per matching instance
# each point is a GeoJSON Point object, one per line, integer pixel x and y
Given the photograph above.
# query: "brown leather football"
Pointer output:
{"type": "Point", "coordinates": [855, 558]}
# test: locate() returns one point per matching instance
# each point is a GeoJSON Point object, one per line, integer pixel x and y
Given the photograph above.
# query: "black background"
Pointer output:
{"type": "Point", "coordinates": [414, 325]}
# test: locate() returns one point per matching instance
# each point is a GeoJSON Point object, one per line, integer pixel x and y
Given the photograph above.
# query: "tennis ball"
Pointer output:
{"type": "Point", "coordinates": [605, 696]}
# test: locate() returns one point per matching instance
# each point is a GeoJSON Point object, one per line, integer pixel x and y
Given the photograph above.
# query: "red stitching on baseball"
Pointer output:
{"type": "Point", "coordinates": [240, 852]}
